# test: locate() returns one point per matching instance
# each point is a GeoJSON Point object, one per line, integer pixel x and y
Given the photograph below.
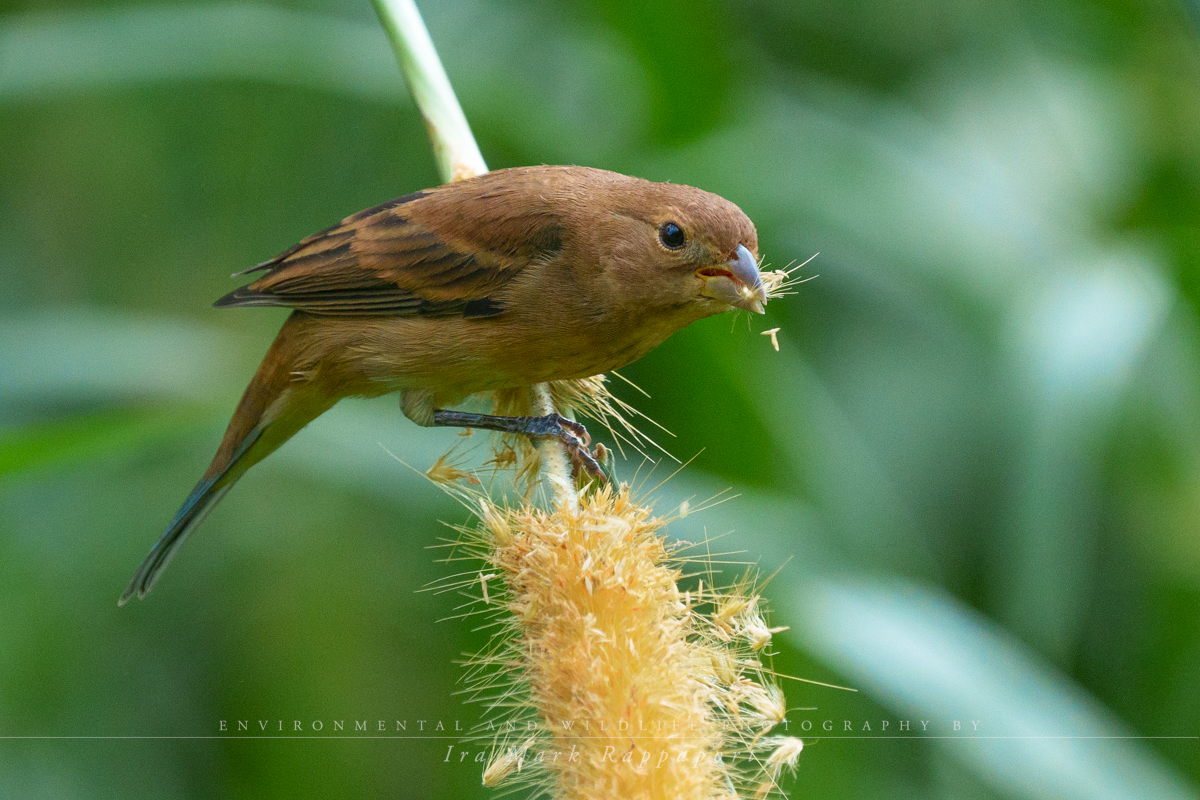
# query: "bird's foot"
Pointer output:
{"type": "Point", "coordinates": [574, 438]}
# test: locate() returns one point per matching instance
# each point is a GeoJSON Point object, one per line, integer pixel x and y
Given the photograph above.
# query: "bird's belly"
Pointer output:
{"type": "Point", "coordinates": [462, 357]}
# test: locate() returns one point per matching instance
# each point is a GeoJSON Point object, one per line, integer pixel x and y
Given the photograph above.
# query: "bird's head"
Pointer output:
{"type": "Point", "coordinates": [682, 248]}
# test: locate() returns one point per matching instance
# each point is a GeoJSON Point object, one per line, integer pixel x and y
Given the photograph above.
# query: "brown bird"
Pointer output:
{"type": "Point", "coordinates": [509, 279]}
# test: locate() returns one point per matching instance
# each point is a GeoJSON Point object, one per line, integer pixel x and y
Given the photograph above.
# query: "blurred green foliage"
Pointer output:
{"type": "Point", "coordinates": [980, 443]}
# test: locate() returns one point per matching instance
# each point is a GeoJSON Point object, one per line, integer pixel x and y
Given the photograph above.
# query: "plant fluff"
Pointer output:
{"type": "Point", "coordinates": [605, 679]}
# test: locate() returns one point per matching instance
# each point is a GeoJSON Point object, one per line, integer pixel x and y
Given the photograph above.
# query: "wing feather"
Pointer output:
{"type": "Point", "coordinates": [384, 261]}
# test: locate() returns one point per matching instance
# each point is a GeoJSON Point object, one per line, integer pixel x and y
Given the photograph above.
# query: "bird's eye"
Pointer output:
{"type": "Point", "coordinates": [671, 235]}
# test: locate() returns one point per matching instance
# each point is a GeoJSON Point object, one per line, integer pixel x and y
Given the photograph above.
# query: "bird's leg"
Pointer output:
{"type": "Point", "coordinates": [573, 436]}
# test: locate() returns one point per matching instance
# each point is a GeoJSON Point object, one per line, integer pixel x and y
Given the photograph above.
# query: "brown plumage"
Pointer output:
{"type": "Point", "coordinates": [512, 278]}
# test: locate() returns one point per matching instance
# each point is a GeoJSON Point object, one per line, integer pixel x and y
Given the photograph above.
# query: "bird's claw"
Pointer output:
{"type": "Point", "coordinates": [583, 459]}
{"type": "Point", "coordinates": [575, 428]}
{"type": "Point", "coordinates": [575, 440]}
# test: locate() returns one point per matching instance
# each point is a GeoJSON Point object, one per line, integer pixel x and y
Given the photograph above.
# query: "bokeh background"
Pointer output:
{"type": "Point", "coordinates": [979, 444]}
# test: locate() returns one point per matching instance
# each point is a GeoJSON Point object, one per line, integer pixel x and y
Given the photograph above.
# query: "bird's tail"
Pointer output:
{"type": "Point", "coordinates": [272, 409]}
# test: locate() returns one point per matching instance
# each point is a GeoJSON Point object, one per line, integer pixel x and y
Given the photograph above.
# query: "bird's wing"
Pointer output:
{"type": "Point", "coordinates": [389, 260]}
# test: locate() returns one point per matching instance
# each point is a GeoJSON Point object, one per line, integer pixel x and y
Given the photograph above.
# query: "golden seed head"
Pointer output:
{"type": "Point", "coordinates": [612, 661]}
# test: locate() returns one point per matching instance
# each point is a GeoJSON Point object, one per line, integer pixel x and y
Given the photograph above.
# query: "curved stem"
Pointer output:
{"type": "Point", "coordinates": [458, 157]}
{"type": "Point", "coordinates": [556, 467]}
{"type": "Point", "coordinates": [454, 146]}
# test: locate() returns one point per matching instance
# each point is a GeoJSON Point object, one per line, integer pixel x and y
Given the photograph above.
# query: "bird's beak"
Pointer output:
{"type": "Point", "coordinates": [737, 282]}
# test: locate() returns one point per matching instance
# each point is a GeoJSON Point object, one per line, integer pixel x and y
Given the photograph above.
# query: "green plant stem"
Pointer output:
{"type": "Point", "coordinates": [458, 157]}
{"type": "Point", "coordinates": [454, 146]}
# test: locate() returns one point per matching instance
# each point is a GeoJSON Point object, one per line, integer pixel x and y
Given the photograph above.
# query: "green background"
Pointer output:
{"type": "Point", "coordinates": [979, 444]}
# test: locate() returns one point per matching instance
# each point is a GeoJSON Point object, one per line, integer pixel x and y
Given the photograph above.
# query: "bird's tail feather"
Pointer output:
{"type": "Point", "coordinates": [203, 499]}
{"type": "Point", "coordinates": [272, 409]}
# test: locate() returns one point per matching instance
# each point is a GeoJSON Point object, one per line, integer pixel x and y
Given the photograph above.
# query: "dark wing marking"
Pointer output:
{"type": "Point", "coordinates": [486, 307]}
{"type": "Point", "coordinates": [380, 261]}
